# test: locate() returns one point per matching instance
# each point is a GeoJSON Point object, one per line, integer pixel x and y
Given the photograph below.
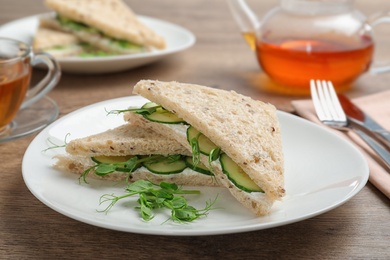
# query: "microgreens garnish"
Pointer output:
{"type": "Point", "coordinates": [194, 143]}
{"type": "Point", "coordinates": [155, 196]}
{"type": "Point", "coordinates": [214, 155]}
{"type": "Point", "coordinates": [141, 111]}
{"type": "Point", "coordinates": [54, 145]}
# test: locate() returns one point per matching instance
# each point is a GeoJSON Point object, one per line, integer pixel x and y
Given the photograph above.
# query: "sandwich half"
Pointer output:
{"type": "Point", "coordinates": [237, 137]}
{"type": "Point", "coordinates": [109, 25]}
{"type": "Point", "coordinates": [62, 44]}
{"type": "Point", "coordinates": [130, 152]}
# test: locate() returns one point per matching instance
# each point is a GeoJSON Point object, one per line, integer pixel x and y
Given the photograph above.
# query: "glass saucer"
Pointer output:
{"type": "Point", "coordinates": [31, 119]}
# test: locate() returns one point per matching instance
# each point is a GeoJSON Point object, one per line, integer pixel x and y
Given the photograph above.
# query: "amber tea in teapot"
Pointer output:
{"type": "Point", "coordinates": [302, 40]}
{"type": "Point", "coordinates": [294, 62]}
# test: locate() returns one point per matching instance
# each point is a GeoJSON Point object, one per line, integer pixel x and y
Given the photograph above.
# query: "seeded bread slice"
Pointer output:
{"type": "Point", "coordinates": [112, 17]}
{"type": "Point", "coordinates": [46, 38]}
{"type": "Point", "coordinates": [127, 139]}
{"type": "Point", "coordinates": [245, 129]}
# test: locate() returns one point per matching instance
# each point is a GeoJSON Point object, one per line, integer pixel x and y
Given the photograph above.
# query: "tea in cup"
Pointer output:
{"type": "Point", "coordinates": [16, 62]}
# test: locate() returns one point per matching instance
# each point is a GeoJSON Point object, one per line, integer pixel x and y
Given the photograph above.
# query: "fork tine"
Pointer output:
{"type": "Point", "coordinates": [326, 103]}
{"type": "Point", "coordinates": [336, 103]}
{"type": "Point", "coordinates": [316, 100]}
{"type": "Point", "coordinates": [326, 90]}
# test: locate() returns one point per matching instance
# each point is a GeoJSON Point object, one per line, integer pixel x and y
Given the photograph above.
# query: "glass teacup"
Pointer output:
{"type": "Point", "coordinates": [16, 62]}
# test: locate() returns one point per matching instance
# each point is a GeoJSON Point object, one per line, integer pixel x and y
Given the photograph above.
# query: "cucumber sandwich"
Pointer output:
{"type": "Point", "coordinates": [107, 25]}
{"type": "Point", "coordinates": [62, 44]}
{"type": "Point", "coordinates": [236, 137]}
{"type": "Point", "coordinates": [130, 152]}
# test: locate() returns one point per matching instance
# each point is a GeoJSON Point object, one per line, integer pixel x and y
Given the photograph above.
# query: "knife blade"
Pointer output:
{"type": "Point", "coordinates": [364, 122]}
{"type": "Point", "coordinates": [382, 153]}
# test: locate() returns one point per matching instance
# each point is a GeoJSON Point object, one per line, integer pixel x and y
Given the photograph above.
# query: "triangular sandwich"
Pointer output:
{"type": "Point", "coordinates": [237, 137]}
{"type": "Point", "coordinates": [109, 25]}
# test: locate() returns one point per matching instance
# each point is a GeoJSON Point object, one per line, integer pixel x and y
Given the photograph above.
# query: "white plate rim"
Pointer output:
{"type": "Point", "coordinates": [360, 177]}
{"type": "Point", "coordinates": [144, 58]}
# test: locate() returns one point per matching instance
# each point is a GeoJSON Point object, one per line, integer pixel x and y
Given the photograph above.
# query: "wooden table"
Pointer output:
{"type": "Point", "coordinates": [359, 229]}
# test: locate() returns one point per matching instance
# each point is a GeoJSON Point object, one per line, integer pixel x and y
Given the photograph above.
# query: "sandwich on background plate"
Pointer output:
{"type": "Point", "coordinates": [130, 152]}
{"type": "Point", "coordinates": [109, 25]}
{"type": "Point", "coordinates": [61, 44]}
{"type": "Point", "coordinates": [237, 137]}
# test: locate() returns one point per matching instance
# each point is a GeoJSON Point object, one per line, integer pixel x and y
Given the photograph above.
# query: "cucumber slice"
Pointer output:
{"type": "Point", "coordinates": [165, 166]}
{"type": "Point", "coordinates": [150, 104]}
{"type": "Point", "coordinates": [111, 159]}
{"type": "Point", "coordinates": [162, 115]}
{"type": "Point", "coordinates": [237, 175]}
{"type": "Point", "coordinates": [200, 167]}
{"type": "Point", "coordinates": [119, 160]}
{"type": "Point", "coordinates": [204, 144]}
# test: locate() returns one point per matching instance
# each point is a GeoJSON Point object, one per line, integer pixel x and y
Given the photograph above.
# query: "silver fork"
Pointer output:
{"type": "Point", "coordinates": [330, 113]}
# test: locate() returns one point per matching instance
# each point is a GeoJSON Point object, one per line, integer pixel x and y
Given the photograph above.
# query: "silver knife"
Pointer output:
{"type": "Point", "coordinates": [364, 122]}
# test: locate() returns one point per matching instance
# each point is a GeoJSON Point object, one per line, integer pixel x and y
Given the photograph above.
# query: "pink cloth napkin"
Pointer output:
{"type": "Point", "coordinates": [377, 106]}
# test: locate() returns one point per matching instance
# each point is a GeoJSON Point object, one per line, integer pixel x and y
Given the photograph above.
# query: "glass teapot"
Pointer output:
{"type": "Point", "coordinates": [310, 39]}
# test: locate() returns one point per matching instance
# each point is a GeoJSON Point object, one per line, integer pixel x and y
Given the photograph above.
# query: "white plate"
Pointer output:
{"type": "Point", "coordinates": [177, 38]}
{"type": "Point", "coordinates": [322, 172]}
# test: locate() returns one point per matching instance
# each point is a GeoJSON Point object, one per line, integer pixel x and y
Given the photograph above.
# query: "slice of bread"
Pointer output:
{"type": "Point", "coordinates": [127, 139]}
{"type": "Point", "coordinates": [112, 17]}
{"type": "Point", "coordinates": [245, 129]}
{"type": "Point", "coordinates": [46, 38]}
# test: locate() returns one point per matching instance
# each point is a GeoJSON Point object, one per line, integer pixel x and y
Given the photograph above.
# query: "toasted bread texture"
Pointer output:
{"type": "Point", "coordinates": [246, 130]}
{"type": "Point", "coordinates": [112, 17]}
{"type": "Point", "coordinates": [127, 139]}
